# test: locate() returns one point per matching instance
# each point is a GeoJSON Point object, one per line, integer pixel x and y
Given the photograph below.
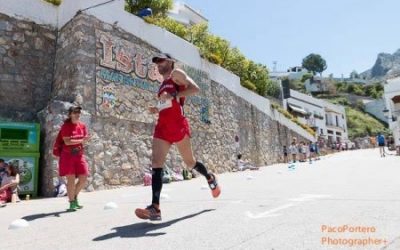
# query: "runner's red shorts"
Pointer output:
{"type": "Point", "coordinates": [72, 165]}
{"type": "Point", "coordinates": [172, 131]}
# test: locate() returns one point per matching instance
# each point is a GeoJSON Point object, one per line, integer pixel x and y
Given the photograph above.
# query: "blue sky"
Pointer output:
{"type": "Point", "coordinates": [347, 33]}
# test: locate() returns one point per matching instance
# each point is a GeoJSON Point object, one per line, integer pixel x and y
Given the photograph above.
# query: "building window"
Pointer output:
{"type": "Point", "coordinates": [337, 121]}
{"type": "Point", "coordinates": [322, 131]}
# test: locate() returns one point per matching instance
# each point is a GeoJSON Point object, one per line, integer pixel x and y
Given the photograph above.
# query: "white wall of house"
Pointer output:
{"type": "Point", "coordinates": [184, 14]}
{"type": "Point", "coordinates": [376, 108]}
{"type": "Point", "coordinates": [392, 89]}
{"type": "Point", "coordinates": [336, 122]}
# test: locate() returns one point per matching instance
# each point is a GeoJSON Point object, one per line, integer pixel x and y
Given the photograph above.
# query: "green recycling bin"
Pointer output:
{"type": "Point", "coordinates": [20, 137]}
{"type": "Point", "coordinates": [19, 145]}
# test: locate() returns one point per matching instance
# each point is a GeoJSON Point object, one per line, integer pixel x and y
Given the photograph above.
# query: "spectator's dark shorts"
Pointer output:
{"type": "Point", "coordinates": [285, 154]}
{"type": "Point", "coordinates": [381, 144]}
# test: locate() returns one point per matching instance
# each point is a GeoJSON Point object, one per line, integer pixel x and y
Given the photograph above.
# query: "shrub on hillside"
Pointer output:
{"type": "Point", "coordinates": [55, 2]}
{"type": "Point", "coordinates": [360, 124]}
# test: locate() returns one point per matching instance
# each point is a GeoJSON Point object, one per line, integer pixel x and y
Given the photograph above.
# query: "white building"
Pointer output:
{"type": "Point", "coordinates": [185, 15]}
{"type": "Point", "coordinates": [375, 108]}
{"type": "Point", "coordinates": [336, 123]}
{"type": "Point", "coordinates": [316, 85]}
{"type": "Point", "coordinates": [327, 119]}
{"type": "Point", "coordinates": [392, 111]}
{"type": "Point", "coordinates": [293, 73]}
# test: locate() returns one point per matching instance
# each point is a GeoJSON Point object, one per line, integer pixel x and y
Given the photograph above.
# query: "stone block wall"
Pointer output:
{"type": "Point", "coordinates": [27, 52]}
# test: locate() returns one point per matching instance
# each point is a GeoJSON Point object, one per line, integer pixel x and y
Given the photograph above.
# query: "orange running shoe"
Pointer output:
{"type": "Point", "coordinates": [213, 184]}
{"type": "Point", "coordinates": [151, 212]}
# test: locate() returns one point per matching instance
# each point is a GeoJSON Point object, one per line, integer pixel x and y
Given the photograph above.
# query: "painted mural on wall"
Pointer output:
{"type": "Point", "coordinates": [109, 98]}
{"type": "Point", "coordinates": [127, 82]}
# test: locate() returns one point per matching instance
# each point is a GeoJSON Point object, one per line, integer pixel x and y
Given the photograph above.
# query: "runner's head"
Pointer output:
{"type": "Point", "coordinates": [165, 63]}
{"type": "Point", "coordinates": [74, 114]}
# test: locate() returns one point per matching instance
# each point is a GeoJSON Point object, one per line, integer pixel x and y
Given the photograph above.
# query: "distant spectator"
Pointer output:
{"type": "Point", "coordinates": [372, 140]}
{"type": "Point", "coordinates": [9, 185]}
{"type": "Point", "coordinates": [243, 165]}
{"type": "Point", "coordinates": [300, 151]}
{"type": "Point", "coordinates": [146, 11]}
{"type": "Point", "coordinates": [305, 149]}
{"type": "Point", "coordinates": [237, 146]}
{"type": "Point", "coordinates": [285, 154]}
{"type": "Point", "coordinates": [293, 150]}
{"type": "Point", "coordinates": [311, 146]}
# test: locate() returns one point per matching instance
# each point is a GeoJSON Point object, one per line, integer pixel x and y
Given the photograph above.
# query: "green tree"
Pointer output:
{"type": "Point", "coordinates": [374, 94]}
{"type": "Point", "coordinates": [215, 49]}
{"type": "Point", "coordinates": [306, 76]}
{"type": "Point", "coordinates": [314, 63]}
{"type": "Point", "coordinates": [198, 34]}
{"type": "Point", "coordinates": [369, 90]}
{"type": "Point", "coordinates": [341, 86]}
{"type": "Point", "coordinates": [236, 62]}
{"type": "Point", "coordinates": [258, 74]}
{"type": "Point", "coordinates": [358, 90]}
{"type": "Point", "coordinates": [159, 7]}
{"type": "Point", "coordinates": [273, 89]}
{"type": "Point", "coordinates": [350, 88]}
{"type": "Point", "coordinates": [169, 24]}
{"type": "Point", "coordinates": [360, 105]}
{"type": "Point", "coordinates": [248, 85]}
{"type": "Point", "coordinates": [379, 87]}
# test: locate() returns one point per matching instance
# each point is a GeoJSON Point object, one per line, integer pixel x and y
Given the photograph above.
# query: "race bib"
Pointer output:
{"type": "Point", "coordinates": [161, 105]}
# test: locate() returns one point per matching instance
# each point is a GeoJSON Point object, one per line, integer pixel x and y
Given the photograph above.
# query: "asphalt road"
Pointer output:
{"type": "Point", "coordinates": [349, 200]}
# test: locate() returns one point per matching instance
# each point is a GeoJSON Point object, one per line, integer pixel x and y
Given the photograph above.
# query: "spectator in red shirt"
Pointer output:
{"type": "Point", "coordinates": [72, 163]}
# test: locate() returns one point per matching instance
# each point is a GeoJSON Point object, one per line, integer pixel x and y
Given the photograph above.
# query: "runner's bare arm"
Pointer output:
{"type": "Point", "coordinates": [181, 78]}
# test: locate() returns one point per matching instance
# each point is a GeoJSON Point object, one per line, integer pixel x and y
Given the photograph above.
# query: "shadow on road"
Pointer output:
{"type": "Point", "coordinates": [41, 216]}
{"type": "Point", "coordinates": [143, 229]}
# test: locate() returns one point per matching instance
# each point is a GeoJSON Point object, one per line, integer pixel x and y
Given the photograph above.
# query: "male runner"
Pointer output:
{"type": "Point", "coordinates": [172, 128]}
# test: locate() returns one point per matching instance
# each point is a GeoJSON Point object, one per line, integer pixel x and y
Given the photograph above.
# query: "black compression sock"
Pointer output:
{"type": "Point", "coordinates": [199, 167]}
{"type": "Point", "coordinates": [156, 184]}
